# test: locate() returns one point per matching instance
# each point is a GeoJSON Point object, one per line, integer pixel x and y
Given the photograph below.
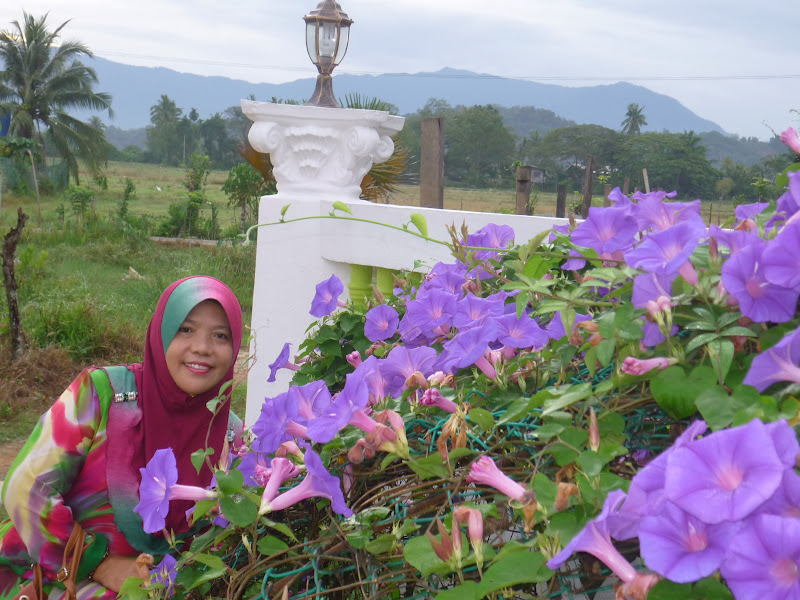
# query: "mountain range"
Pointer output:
{"type": "Point", "coordinates": [135, 89]}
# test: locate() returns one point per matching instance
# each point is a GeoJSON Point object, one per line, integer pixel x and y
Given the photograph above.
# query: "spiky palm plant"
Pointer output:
{"type": "Point", "coordinates": [41, 81]}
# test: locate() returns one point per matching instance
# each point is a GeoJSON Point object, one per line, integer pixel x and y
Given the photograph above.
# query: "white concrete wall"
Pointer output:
{"type": "Point", "coordinates": [292, 258]}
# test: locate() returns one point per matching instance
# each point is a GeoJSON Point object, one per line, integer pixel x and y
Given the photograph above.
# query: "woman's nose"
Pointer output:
{"type": "Point", "coordinates": [201, 344]}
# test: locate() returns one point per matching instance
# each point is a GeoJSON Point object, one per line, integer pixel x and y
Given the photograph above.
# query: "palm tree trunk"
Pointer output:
{"type": "Point", "coordinates": [36, 185]}
{"type": "Point", "coordinates": [10, 242]}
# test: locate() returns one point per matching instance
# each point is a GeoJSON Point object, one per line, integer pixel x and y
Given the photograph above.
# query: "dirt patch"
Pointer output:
{"type": "Point", "coordinates": [8, 452]}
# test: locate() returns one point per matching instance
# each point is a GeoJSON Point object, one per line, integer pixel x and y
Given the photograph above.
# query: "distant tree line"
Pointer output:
{"type": "Point", "coordinates": [481, 147]}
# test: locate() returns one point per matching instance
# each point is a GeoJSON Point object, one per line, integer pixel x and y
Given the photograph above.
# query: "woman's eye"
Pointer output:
{"type": "Point", "coordinates": [221, 336]}
{"type": "Point", "coordinates": [184, 329]}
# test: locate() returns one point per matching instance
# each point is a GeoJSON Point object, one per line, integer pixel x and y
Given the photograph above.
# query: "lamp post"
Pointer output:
{"type": "Point", "coordinates": [327, 36]}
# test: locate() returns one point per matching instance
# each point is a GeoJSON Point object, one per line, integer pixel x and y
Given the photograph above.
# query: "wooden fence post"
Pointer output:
{"type": "Point", "coordinates": [587, 188]}
{"type": "Point", "coordinates": [561, 201]}
{"type": "Point", "coordinates": [627, 185]}
{"type": "Point", "coordinates": [431, 163]}
{"type": "Point", "coordinates": [646, 181]}
{"type": "Point", "coordinates": [606, 192]}
{"type": "Point", "coordinates": [524, 174]}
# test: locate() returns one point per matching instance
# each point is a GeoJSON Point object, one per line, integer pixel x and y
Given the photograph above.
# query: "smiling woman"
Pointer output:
{"type": "Point", "coordinates": [81, 469]}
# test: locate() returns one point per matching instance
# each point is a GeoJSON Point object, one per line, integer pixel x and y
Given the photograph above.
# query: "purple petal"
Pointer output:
{"type": "Point", "coordinates": [381, 323]}
{"type": "Point", "coordinates": [327, 297]}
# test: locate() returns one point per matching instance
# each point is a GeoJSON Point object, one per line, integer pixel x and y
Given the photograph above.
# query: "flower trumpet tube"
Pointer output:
{"type": "Point", "coordinates": [317, 483]}
{"type": "Point", "coordinates": [639, 366]}
{"type": "Point", "coordinates": [160, 485]}
{"type": "Point", "coordinates": [433, 397]}
{"type": "Point", "coordinates": [282, 469]}
{"type": "Point", "coordinates": [282, 362]}
{"type": "Point", "coordinates": [790, 138]}
{"type": "Point", "coordinates": [485, 472]}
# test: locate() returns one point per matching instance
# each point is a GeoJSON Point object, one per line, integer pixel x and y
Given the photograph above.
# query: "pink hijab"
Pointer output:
{"type": "Point", "coordinates": [171, 418]}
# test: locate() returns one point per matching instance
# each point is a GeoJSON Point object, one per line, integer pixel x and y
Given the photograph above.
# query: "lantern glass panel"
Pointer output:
{"type": "Point", "coordinates": [328, 35]}
{"type": "Point", "coordinates": [344, 36]}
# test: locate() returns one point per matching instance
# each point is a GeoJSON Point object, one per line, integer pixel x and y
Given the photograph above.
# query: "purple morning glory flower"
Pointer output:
{"type": "Point", "coordinates": [651, 286]}
{"type": "Point", "coordinates": [311, 400]}
{"type": "Point", "coordinates": [327, 297]}
{"type": "Point", "coordinates": [381, 323]}
{"type": "Point", "coordinates": [779, 363]}
{"type": "Point", "coordinates": [620, 200]}
{"type": "Point", "coordinates": [666, 251]}
{"type": "Point", "coordinates": [467, 348]}
{"type": "Point", "coordinates": [317, 483]}
{"type": "Point", "coordinates": [165, 574]}
{"type": "Point", "coordinates": [271, 427]}
{"type": "Point", "coordinates": [606, 230]}
{"type": "Point", "coordinates": [282, 362]}
{"type": "Point", "coordinates": [472, 311]}
{"type": "Point", "coordinates": [402, 363]}
{"type": "Point", "coordinates": [785, 440]}
{"type": "Point", "coordinates": [575, 262]}
{"type": "Point", "coordinates": [652, 213]}
{"type": "Point", "coordinates": [681, 547]}
{"type": "Point", "coordinates": [446, 281]}
{"type": "Point", "coordinates": [764, 559]}
{"type": "Point", "coordinates": [743, 277]}
{"type": "Point", "coordinates": [432, 313]}
{"type": "Point", "coordinates": [491, 236]}
{"type": "Point", "coordinates": [563, 229]}
{"type": "Point", "coordinates": [337, 414]}
{"type": "Point", "coordinates": [520, 333]}
{"type": "Point", "coordinates": [725, 476]}
{"type": "Point", "coordinates": [786, 500]}
{"type": "Point", "coordinates": [749, 211]}
{"type": "Point", "coordinates": [281, 470]}
{"type": "Point", "coordinates": [780, 257]}
{"type": "Point", "coordinates": [596, 540]}
{"type": "Point", "coordinates": [159, 486]}
{"type": "Point", "coordinates": [735, 240]}
{"type": "Point", "coordinates": [255, 469]}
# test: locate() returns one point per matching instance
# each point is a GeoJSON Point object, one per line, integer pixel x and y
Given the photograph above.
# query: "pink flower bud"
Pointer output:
{"type": "Point", "coordinates": [432, 397]}
{"type": "Point", "coordinates": [354, 358]}
{"type": "Point", "coordinates": [474, 520]}
{"type": "Point", "coordinates": [594, 431]}
{"type": "Point", "coordinates": [638, 366]}
{"type": "Point", "coordinates": [789, 137]}
{"type": "Point", "coordinates": [486, 472]}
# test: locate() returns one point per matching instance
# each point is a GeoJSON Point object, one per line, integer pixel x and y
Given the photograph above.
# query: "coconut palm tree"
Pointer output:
{"type": "Point", "coordinates": [634, 120]}
{"type": "Point", "coordinates": [41, 81]}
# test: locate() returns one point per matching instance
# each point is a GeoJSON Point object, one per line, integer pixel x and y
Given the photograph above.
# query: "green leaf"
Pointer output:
{"type": "Point", "coordinates": [514, 569]}
{"type": "Point", "coordinates": [342, 207]}
{"type": "Point", "coordinates": [482, 418]}
{"type": "Point", "coordinates": [567, 395]}
{"type": "Point", "coordinates": [467, 591]}
{"type": "Point", "coordinates": [230, 483]}
{"type": "Point", "coordinates": [737, 330]}
{"type": "Point", "coordinates": [676, 392]}
{"type": "Point", "coordinates": [419, 553]}
{"type": "Point", "coordinates": [590, 463]}
{"type": "Point", "coordinates": [270, 545]}
{"type": "Point", "coordinates": [420, 223]}
{"type": "Point", "coordinates": [133, 590]}
{"type": "Point", "coordinates": [202, 508]}
{"type": "Point", "coordinates": [569, 445]}
{"type": "Point", "coordinates": [212, 405]}
{"type": "Point", "coordinates": [382, 544]}
{"type": "Point", "coordinates": [545, 432]}
{"type": "Point", "coordinates": [610, 422]}
{"type": "Point", "coordinates": [239, 510]}
{"type": "Point", "coordinates": [284, 209]}
{"type": "Point", "coordinates": [358, 539]}
{"type": "Point", "coordinates": [429, 467]}
{"type": "Point", "coordinates": [667, 590]}
{"type": "Point", "coordinates": [719, 409]}
{"type": "Point", "coordinates": [216, 569]}
{"type": "Point", "coordinates": [700, 340]}
{"type": "Point", "coordinates": [605, 351]}
{"type": "Point", "coordinates": [282, 527]}
{"type": "Point", "coordinates": [721, 354]}
{"type": "Point", "coordinates": [522, 406]}
{"type": "Point", "coordinates": [198, 457]}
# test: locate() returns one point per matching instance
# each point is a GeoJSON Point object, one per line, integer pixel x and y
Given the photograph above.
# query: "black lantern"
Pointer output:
{"type": "Point", "coordinates": [327, 36]}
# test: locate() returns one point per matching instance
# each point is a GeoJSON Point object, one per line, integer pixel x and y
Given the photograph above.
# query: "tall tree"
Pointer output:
{"type": "Point", "coordinates": [479, 146]}
{"type": "Point", "coordinates": [165, 139]}
{"type": "Point", "coordinates": [42, 80]}
{"type": "Point", "coordinates": [634, 120]}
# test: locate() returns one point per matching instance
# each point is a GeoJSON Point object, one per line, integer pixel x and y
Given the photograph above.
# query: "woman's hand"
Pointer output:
{"type": "Point", "coordinates": [114, 570]}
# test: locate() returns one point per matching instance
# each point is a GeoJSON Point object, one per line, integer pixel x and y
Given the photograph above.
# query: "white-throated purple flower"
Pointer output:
{"type": "Point", "coordinates": [281, 470]}
{"type": "Point", "coordinates": [160, 485]}
{"type": "Point", "coordinates": [763, 560]}
{"type": "Point", "coordinates": [432, 313]}
{"type": "Point", "coordinates": [282, 362]}
{"type": "Point", "coordinates": [724, 476]}
{"type": "Point", "coordinates": [744, 212]}
{"type": "Point", "coordinates": [255, 469]}
{"type": "Point", "coordinates": [668, 250]}
{"type": "Point", "coordinates": [338, 413]}
{"type": "Point", "coordinates": [681, 547]}
{"type": "Point", "coordinates": [327, 297]}
{"type": "Point", "coordinates": [490, 236]}
{"type": "Point", "coordinates": [275, 424]}
{"type": "Point", "coordinates": [781, 362]}
{"type": "Point", "coordinates": [472, 311]}
{"type": "Point", "coordinates": [317, 483]}
{"type": "Point", "coordinates": [381, 323]}
{"type": "Point", "coordinates": [485, 472]}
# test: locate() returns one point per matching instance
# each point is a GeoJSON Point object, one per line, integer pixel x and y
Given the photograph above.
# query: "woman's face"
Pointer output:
{"type": "Point", "coordinates": [200, 354]}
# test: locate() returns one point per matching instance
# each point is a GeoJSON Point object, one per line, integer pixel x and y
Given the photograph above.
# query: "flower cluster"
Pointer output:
{"type": "Point", "coordinates": [726, 502]}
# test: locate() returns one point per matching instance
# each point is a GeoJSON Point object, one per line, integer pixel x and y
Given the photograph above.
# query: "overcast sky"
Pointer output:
{"type": "Point", "coordinates": [735, 62]}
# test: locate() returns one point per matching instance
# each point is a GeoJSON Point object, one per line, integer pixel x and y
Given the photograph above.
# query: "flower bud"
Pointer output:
{"type": "Point", "coordinates": [354, 358]}
{"type": "Point", "coordinates": [594, 431]}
